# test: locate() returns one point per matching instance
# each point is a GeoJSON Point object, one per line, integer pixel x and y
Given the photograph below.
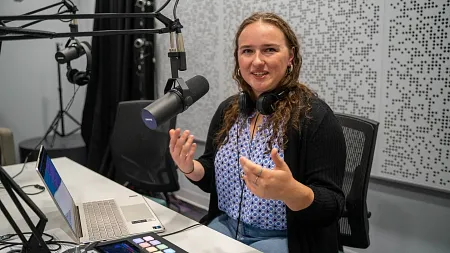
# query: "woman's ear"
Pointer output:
{"type": "Point", "coordinates": [291, 54]}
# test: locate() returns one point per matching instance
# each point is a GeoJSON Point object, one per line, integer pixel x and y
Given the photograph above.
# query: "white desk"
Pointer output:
{"type": "Point", "coordinates": [85, 184]}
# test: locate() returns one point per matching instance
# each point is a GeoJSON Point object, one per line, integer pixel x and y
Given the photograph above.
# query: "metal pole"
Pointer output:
{"type": "Point", "coordinates": [32, 34]}
{"type": "Point", "coordinates": [61, 112]}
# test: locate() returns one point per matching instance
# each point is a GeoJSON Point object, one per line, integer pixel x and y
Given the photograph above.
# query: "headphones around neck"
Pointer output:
{"type": "Point", "coordinates": [265, 103]}
{"type": "Point", "coordinates": [74, 76]}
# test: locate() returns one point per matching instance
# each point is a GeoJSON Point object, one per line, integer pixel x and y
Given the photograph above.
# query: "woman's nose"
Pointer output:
{"type": "Point", "coordinates": [258, 60]}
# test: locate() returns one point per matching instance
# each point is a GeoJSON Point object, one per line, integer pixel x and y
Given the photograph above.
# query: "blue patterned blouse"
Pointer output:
{"type": "Point", "coordinates": [262, 213]}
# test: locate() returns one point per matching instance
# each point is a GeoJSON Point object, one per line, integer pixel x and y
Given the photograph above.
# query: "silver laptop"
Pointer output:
{"type": "Point", "coordinates": [101, 219]}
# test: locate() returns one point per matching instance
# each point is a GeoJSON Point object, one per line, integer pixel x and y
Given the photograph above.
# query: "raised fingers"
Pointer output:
{"type": "Point", "coordinates": [180, 142]}
{"type": "Point", "coordinates": [191, 153]}
{"type": "Point", "coordinates": [249, 167]}
{"type": "Point", "coordinates": [174, 134]}
{"type": "Point", "coordinates": [250, 183]}
{"type": "Point", "coordinates": [187, 146]}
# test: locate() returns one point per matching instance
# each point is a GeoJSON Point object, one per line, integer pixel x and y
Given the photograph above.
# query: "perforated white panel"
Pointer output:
{"type": "Point", "coordinates": [415, 138]}
{"type": "Point", "coordinates": [385, 60]}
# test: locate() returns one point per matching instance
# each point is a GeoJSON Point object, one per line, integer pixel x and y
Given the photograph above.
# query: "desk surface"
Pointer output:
{"type": "Point", "coordinates": [85, 184]}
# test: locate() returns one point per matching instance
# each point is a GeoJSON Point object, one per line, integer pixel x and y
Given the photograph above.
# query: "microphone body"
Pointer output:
{"type": "Point", "coordinates": [162, 109]}
{"type": "Point", "coordinates": [175, 101]}
{"type": "Point", "coordinates": [71, 52]}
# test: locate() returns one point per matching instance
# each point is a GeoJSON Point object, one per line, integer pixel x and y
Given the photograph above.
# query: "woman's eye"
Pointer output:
{"type": "Point", "coordinates": [246, 51]}
{"type": "Point", "coordinates": [270, 49]}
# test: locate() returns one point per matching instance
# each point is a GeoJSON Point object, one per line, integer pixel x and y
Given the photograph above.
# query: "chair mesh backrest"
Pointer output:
{"type": "Point", "coordinates": [140, 155]}
{"type": "Point", "coordinates": [355, 146]}
{"type": "Point", "coordinates": [360, 137]}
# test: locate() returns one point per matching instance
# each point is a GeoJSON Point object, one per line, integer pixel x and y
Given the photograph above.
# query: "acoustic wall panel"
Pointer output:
{"type": "Point", "coordinates": [414, 142]}
{"type": "Point", "coordinates": [341, 41]}
{"type": "Point", "coordinates": [385, 60]}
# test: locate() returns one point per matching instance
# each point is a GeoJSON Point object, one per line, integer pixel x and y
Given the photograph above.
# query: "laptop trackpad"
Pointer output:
{"type": "Point", "coordinates": [137, 213]}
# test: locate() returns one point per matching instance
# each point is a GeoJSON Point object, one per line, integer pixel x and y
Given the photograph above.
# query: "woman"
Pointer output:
{"type": "Point", "coordinates": [275, 153]}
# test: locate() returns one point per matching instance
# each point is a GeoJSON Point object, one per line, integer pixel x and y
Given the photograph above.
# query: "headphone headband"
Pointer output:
{"type": "Point", "coordinates": [87, 50]}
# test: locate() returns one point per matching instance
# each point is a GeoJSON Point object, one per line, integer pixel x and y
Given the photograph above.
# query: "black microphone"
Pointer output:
{"type": "Point", "coordinates": [175, 101]}
{"type": "Point", "coordinates": [73, 51]}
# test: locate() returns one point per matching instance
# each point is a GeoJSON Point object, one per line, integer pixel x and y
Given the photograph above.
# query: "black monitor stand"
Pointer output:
{"type": "Point", "coordinates": [34, 243]}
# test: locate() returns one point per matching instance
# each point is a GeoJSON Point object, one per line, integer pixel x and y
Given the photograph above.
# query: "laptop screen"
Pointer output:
{"type": "Point", "coordinates": [56, 187]}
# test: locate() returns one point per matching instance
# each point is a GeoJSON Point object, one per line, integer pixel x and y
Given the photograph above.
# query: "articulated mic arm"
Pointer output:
{"type": "Point", "coordinates": [176, 51]}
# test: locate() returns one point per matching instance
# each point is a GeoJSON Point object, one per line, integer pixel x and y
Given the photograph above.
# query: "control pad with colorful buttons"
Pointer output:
{"type": "Point", "coordinates": [147, 242]}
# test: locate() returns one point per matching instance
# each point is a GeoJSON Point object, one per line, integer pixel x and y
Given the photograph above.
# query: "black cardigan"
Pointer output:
{"type": "Point", "coordinates": [316, 158]}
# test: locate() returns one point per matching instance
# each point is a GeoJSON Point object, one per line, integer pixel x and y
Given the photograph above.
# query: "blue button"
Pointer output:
{"type": "Point", "coordinates": [155, 242]}
{"type": "Point", "coordinates": [138, 240]}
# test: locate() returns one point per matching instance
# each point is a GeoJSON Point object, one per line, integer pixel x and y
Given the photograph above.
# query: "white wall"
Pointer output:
{"type": "Point", "coordinates": [28, 74]}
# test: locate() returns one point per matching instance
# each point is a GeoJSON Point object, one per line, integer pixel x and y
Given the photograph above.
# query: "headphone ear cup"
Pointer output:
{"type": "Point", "coordinates": [71, 74]}
{"type": "Point", "coordinates": [265, 104]}
{"type": "Point", "coordinates": [81, 78]}
{"type": "Point", "coordinates": [246, 104]}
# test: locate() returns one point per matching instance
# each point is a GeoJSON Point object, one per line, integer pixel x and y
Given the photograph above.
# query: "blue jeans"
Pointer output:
{"type": "Point", "coordinates": [261, 239]}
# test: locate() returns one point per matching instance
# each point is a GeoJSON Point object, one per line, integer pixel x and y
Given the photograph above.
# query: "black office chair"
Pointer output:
{"type": "Point", "coordinates": [360, 138]}
{"type": "Point", "coordinates": [141, 156]}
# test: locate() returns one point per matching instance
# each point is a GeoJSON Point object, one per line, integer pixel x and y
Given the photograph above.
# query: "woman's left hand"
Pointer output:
{"type": "Point", "coordinates": [265, 183]}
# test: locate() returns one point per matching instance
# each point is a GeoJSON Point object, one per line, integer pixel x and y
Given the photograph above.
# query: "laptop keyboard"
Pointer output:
{"type": "Point", "coordinates": [104, 220]}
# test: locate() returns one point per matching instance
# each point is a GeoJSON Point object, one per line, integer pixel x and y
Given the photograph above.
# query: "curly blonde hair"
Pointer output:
{"type": "Point", "coordinates": [289, 109]}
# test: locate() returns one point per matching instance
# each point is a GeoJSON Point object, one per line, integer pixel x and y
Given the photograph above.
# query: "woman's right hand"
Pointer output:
{"type": "Point", "coordinates": [182, 149]}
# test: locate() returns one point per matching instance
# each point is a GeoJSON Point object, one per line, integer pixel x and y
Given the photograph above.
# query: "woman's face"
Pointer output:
{"type": "Point", "coordinates": [263, 56]}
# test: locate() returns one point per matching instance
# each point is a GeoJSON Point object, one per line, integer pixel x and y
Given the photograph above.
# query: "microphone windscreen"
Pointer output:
{"type": "Point", "coordinates": [199, 86]}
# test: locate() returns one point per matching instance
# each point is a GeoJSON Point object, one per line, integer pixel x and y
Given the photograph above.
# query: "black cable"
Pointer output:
{"type": "Point", "coordinates": [21, 170]}
{"type": "Point", "coordinates": [58, 247]}
{"type": "Point", "coordinates": [70, 1]}
{"type": "Point", "coordinates": [10, 237]}
{"type": "Point", "coordinates": [175, 10]}
{"type": "Point", "coordinates": [240, 205]}
{"type": "Point", "coordinates": [4, 240]}
{"type": "Point", "coordinates": [37, 186]}
{"type": "Point", "coordinates": [163, 6]}
{"type": "Point", "coordinates": [242, 182]}
{"type": "Point", "coordinates": [69, 104]}
{"type": "Point", "coordinates": [59, 12]}
{"type": "Point", "coordinates": [181, 230]}
{"type": "Point", "coordinates": [7, 246]}
{"type": "Point", "coordinates": [40, 20]}
{"type": "Point", "coordinates": [63, 242]}
{"type": "Point", "coordinates": [10, 244]}
{"type": "Point", "coordinates": [14, 251]}
{"type": "Point", "coordinates": [59, 244]}
{"type": "Point", "coordinates": [50, 242]}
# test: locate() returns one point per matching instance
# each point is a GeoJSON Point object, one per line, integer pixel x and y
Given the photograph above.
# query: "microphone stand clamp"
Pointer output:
{"type": "Point", "coordinates": [182, 90]}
